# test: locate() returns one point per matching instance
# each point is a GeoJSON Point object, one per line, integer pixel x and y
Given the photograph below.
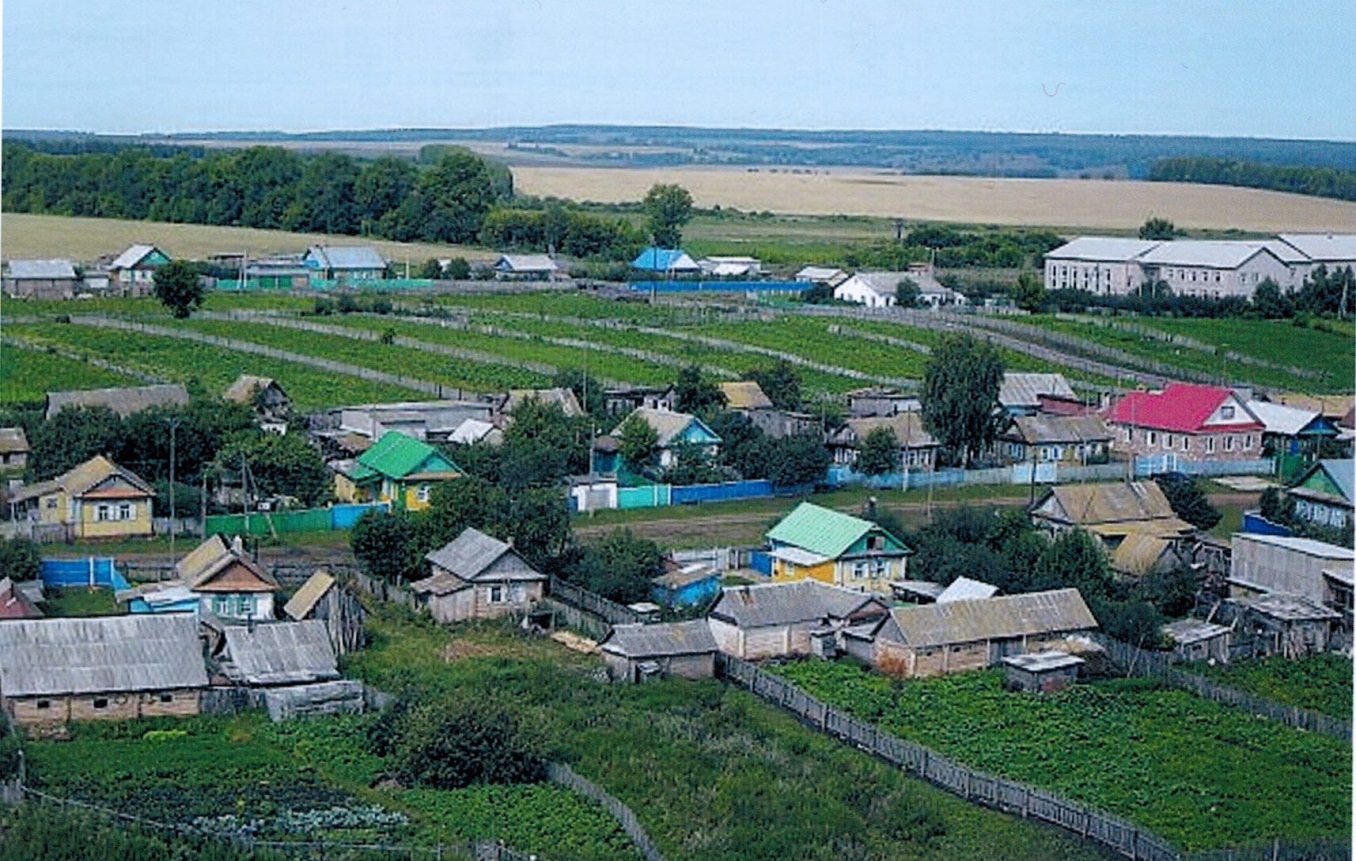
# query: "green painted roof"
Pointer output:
{"type": "Point", "coordinates": [396, 455]}
{"type": "Point", "coordinates": [819, 530]}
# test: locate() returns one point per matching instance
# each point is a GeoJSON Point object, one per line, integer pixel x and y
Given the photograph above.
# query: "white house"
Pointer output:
{"type": "Point", "coordinates": [526, 266]}
{"type": "Point", "coordinates": [1098, 264]}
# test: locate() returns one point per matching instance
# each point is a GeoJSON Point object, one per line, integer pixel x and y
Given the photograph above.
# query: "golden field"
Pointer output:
{"type": "Point", "coordinates": [1114, 205]}
{"type": "Point", "coordinates": [85, 239]}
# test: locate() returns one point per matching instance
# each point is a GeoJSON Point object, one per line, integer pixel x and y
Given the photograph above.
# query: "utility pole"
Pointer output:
{"type": "Point", "coordinates": [174, 425]}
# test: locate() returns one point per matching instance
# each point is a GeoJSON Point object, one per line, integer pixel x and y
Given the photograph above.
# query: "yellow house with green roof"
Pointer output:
{"type": "Point", "coordinates": [821, 544]}
{"type": "Point", "coordinates": [398, 469]}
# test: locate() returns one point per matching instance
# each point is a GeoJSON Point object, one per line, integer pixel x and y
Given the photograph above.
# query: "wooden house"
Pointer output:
{"type": "Point", "coordinates": [397, 469]}
{"type": "Point", "coordinates": [41, 279]}
{"type": "Point", "coordinates": [344, 263]}
{"type": "Point", "coordinates": [227, 582]}
{"type": "Point", "coordinates": [526, 267]}
{"type": "Point", "coordinates": [916, 449]}
{"type": "Point", "coordinates": [104, 667]}
{"type": "Point", "coordinates": [132, 273]}
{"type": "Point", "coordinates": [1041, 672]}
{"type": "Point", "coordinates": [673, 431]}
{"type": "Point", "coordinates": [826, 545]}
{"type": "Point", "coordinates": [1290, 430]}
{"type": "Point", "coordinates": [620, 400]}
{"type": "Point", "coordinates": [1048, 438]}
{"type": "Point", "coordinates": [1134, 521]}
{"type": "Point", "coordinates": [97, 499]}
{"type": "Point", "coordinates": [1323, 495]}
{"type": "Point", "coordinates": [773, 620]}
{"type": "Point", "coordinates": [934, 639]}
{"type": "Point", "coordinates": [744, 396]}
{"type": "Point", "coordinates": [637, 652]}
{"type": "Point", "coordinates": [477, 576]}
{"type": "Point", "coordinates": [264, 395]}
{"type": "Point", "coordinates": [325, 599]}
{"type": "Point", "coordinates": [1024, 394]}
{"type": "Point", "coordinates": [14, 449]}
{"type": "Point", "coordinates": [881, 401]}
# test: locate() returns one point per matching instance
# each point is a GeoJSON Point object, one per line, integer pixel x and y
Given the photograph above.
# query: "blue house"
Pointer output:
{"type": "Point", "coordinates": [670, 261]}
{"type": "Point", "coordinates": [673, 431]}
{"type": "Point", "coordinates": [687, 586]}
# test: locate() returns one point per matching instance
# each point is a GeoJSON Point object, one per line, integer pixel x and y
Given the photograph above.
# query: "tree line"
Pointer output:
{"type": "Point", "coordinates": [1298, 179]}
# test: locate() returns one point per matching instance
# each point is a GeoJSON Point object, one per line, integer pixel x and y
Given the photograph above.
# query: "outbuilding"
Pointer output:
{"type": "Point", "coordinates": [1198, 640]}
{"type": "Point", "coordinates": [773, 620]}
{"type": "Point", "coordinates": [638, 652]}
{"type": "Point", "coordinates": [1041, 672]}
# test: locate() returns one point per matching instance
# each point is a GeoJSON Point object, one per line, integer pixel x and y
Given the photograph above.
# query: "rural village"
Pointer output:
{"type": "Point", "coordinates": [379, 495]}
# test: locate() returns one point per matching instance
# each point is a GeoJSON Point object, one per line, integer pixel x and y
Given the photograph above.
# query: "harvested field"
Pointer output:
{"type": "Point", "coordinates": [83, 239]}
{"type": "Point", "coordinates": [972, 200]}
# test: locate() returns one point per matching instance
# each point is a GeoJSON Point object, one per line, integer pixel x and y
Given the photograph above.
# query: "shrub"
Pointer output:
{"type": "Point", "coordinates": [457, 743]}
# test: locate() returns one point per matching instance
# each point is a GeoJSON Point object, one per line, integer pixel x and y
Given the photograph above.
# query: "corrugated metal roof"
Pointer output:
{"type": "Point", "coordinates": [653, 641]}
{"type": "Point", "coordinates": [525, 263]}
{"type": "Point", "coordinates": [13, 440]}
{"type": "Point", "coordinates": [1042, 662]}
{"type": "Point", "coordinates": [906, 426]}
{"type": "Point", "coordinates": [345, 257]}
{"type": "Point", "coordinates": [1065, 430]}
{"type": "Point", "coordinates": [280, 653]}
{"type": "Point", "coordinates": [1281, 419]}
{"type": "Point", "coordinates": [745, 395]}
{"type": "Point", "coordinates": [1090, 504]}
{"type": "Point", "coordinates": [473, 430]}
{"type": "Point", "coordinates": [965, 589]}
{"type": "Point", "coordinates": [300, 605]}
{"type": "Point", "coordinates": [55, 270]}
{"type": "Point", "coordinates": [1101, 249]}
{"type": "Point", "coordinates": [123, 401]}
{"type": "Point", "coordinates": [1342, 471]}
{"type": "Point", "coordinates": [103, 654]}
{"type": "Point", "coordinates": [1323, 247]}
{"type": "Point", "coordinates": [1025, 389]}
{"type": "Point", "coordinates": [665, 260]}
{"type": "Point", "coordinates": [787, 603]}
{"type": "Point", "coordinates": [469, 554]}
{"type": "Point", "coordinates": [668, 426]}
{"type": "Point", "coordinates": [823, 531]}
{"type": "Point", "coordinates": [1008, 616]}
{"type": "Point", "coordinates": [1307, 546]}
{"type": "Point", "coordinates": [133, 255]}
{"type": "Point", "coordinates": [396, 455]}
{"type": "Point", "coordinates": [1210, 253]}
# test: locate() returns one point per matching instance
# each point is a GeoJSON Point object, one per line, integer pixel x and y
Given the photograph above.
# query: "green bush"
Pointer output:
{"type": "Point", "coordinates": [454, 743]}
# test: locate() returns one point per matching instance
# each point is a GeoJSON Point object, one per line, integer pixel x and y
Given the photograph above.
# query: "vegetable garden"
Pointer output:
{"type": "Point", "coordinates": [1319, 683]}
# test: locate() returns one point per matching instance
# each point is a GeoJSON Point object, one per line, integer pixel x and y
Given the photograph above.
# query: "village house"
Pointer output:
{"type": "Point", "coordinates": [1109, 510]}
{"type": "Point", "coordinates": [748, 399]}
{"type": "Point", "coordinates": [265, 396]}
{"type": "Point", "coordinates": [1291, 431]}
{"type": "Point", "coordinates": [41, 279]}
{"type": "Point", "coordinates": [879, 289]}
{"type": "Point", "coordinates": [637, 652]}
{"type": "Point", "coordinates": [1185, 422]}
{"type": "Point", "coordinates": [103, 667]}
{"type": "Point", "coordinates": [775, 620]}
{"type": "Point", "coordinates": [226, 582]}
{"type": "Point", "coordinates": [881, 401]}
{"type": "Point", "coordinates": [1026, 394]}
{"type": "Point", "coordinates": [666, 261]}
{"type": "Point", "coordinates": [559, 396]}
{"type": "Point", "coordinates": [14, 449]}
{"type": "Point", "coordinates": [1323, 495]}
{"type": "Point", "coordinates": [934, 639]}
{"type": "Point", "coordinates": [344, 263]}
{"type": "Point", "coordinates": [916, 448]}
{"type": "Point", "coordinates": [1047, 438]}
{"type": "Point", "coordinates": [832, 547]}
{"type": "Point", "coordinates": [431, 421]}
{"type": "Point", "coordinates": [624, 399]}
{"type": "Point", "coordinates": [1313, 570]}
{"type": "Point", "coordinates": [829, 276]}
{"type": "Point", "coordinates": [325, 599]}
{"type": "Point", "coordinates": [731, 267]}
{"type": "Point", "coordinates": [397, 469]}
{"type": "Point", "coordinates": [477, 576]}
{"type": "Point", "coordinates": [744, 396]}
{"type": "Point", "coordinates": [525, 267]}
{"type": "Point", "coordinates": [132, 273]}
{"type": "Point", "coordinates": [124, 401]}
{"type": "Point", "coordinates": [673, 431]}
{"type": "Point", "coordinates": [97, 499]}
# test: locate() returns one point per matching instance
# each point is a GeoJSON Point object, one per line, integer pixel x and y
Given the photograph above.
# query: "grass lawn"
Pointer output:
{"type": "Point", "coordinates": [1198, 773]}
{"type": "Point", "coordinates": [81, 601]}
{"type": "Point", "coordinates": [1321, 683]}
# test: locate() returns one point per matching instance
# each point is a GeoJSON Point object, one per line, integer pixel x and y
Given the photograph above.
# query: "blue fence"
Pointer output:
{"type": "Point", "coordinates": [719, 286]}
{"type": "Point", "coordinates": [761, 561]}
{"type": "Point", "coordinates": [720, 492]}
{"type": "Point", "coordinates": [839, 475]}
{"type": "Point", "coordinates": [1255, 523]}
{"type": "Point", "coordinates": [82, 572]}
{"type": "Point", "coordinates": [344, 516]}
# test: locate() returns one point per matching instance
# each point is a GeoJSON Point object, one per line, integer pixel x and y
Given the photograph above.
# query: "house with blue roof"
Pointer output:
{"type": "Point", "coordinates": [344, 263]}
{"type": "Point", "coordinates": [667, 261]}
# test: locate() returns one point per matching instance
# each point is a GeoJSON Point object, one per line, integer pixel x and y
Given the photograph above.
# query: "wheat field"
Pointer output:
{"type": "Point", "coordinates": [1118, 205]}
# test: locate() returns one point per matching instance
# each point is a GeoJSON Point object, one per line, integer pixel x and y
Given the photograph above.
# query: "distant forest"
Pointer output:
{"type": "Point", "coordinates": [937, 152]}
{"type": "Point", "coordinates": [1317, 181]}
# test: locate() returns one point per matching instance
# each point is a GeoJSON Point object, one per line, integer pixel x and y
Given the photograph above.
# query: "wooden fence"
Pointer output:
{"type": "Point", "coordinates": [565, 776]}
{"type": "Point", "coordinates": [1158, 665]}
{"type": "Point", "coordinates": [609, 611]}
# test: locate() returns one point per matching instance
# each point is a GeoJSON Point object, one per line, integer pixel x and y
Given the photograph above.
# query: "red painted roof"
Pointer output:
{"type": "Point", "coordinates": [1179, 407]}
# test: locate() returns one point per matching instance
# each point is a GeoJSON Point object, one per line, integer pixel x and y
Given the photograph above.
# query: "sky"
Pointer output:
{"type": "Point", "coordinates": [1195, 67]}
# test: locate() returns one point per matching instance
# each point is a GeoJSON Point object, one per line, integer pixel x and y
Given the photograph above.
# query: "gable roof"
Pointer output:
{"type": "Point", "coordinates": [665, 260]}
{"type": "Point", "coordinates": [787, 603]}
{"type": "Point", "coordinates": [1282, 419]}
{"type": "Point", "coordinates": [822, 531]}
{"type": "Point", "coordinates": [209, 561]}
{"type": "Point", "coordinates": [278, 653]}
{"type": "Point", "coordinates": [42, 270]}
{"type": "Point", "coordinates": [1046, 428]}
{"type": "Point", "coordinates": [397, 456]}
{"type": "Point", "coordinates": [1323, 247]}
{"type": "Point", "coordinates": [300, 605]}
{"type": "Point", "coordinates": [668, 425]}
{"type": "Point", "coordinates": [653, 641]}
{"type": "Point", "coordinates": [344, 257]}
{"type": "Point", "coordinates": [1117, 502]}
{"type": "Point", "coordinates": [243, 389]}
{"type": "Point", "coordinates": [1025, 389]}
{"type": "Point", "coordinates": [101, 654]}
{"type": "Point", "coordinates": [560, 396]}
{"type": "Point", "coordinates": [906, 426]}
{"type": "Point", "coordinates": [134, 255]}
{"type": "Point", "coordinates": [13, 441]}
{"type": "Point", "coordinates": [525, 263]}
{"type": "Point", "coordinates": [1342, 472]}
{"type": "Point", "coordinates": [1139, 552]}
{"type": "Point", "coordinates": [832, 275]}
{"type": "Point", "coordinates": [81, 479]}
{"type": "Point", "coordinates": [1179, 407]}
{"type": "Point", "coordinates": [124, 401]}
{"type": "Point", "coordinates": [1209, 253]}
{"type": "Point", "coordinates": [991, 618]}
{"type": "Point", "coordinates": [1102, 249]}
{"type": "Point", "coordinates": [744, 395]}
{"type": "Point", "coordinates": [472, 552]}
{"type": "Point", "coordinates": [965, 589]}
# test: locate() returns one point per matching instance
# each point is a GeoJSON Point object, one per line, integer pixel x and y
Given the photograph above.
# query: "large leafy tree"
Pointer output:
{"type": "Point", "coordinates": [667, 209]}
{"type": "Point", "coordinates": [1028, 293]}
{"type": "Point", "coordinates": [638, 445]}
{"type": "Point", "coordinates": [542, 445]}
{"type": "Point", "coordinates": [280, 465]}
{"type": "Point", "coordinates": [453, 198]}
{"type": "Point", "coordinates": [879, 453]}
{"type": "Point", "coordinates": [71, 437]}
{"type": "Point", "coordinates": [620, 566]}
{"type": "Point", "coordinates": [1158, 228]}
{"type": "Point", "coordinates": [179, 287]}
{"type": "Point", "coordinates": [383, 543]}
{"type": "Point", "coordinates": [20, 559]}
{"type": "Point", "coordinates": [780, 382]}
{"type": "Point", "coordinates": [959, 397]}
{"type": "Point", "coordinates": [694, 393]}
{"type": "Point", "coordinates": [798, 460]}
{"type": "Point", "coordinates": [1188, 501]}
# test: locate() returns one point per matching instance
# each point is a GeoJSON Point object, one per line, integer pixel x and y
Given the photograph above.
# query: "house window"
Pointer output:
{"type": "Point", "coordinates": [221, 605]}
{"type": "Point", "coordinates": [101, 702]}
{"type": "Point", "coordinates": [874, 542]}
{"type": "Point", "coordinates": [1129, 435]}
{"type": "Point", "coordinates": [127, 511]}
{"type": "Point", "coordinates": [103, 512]}
{"type": "Point", "coordinates": [859, 569]}
{"type": "Point", "coordinates": [1167, 440]}
{"type": "Point", "coordinates": [1186, 443]}
{"type": "Point", "coordinates": [167, 698]}
{"type": "Point", "coordinates": [51, 502]}
{"type": "Point", "coordinates": [44, 704]}
{"type": "Point", "coordinates": [421, 493]}
{"type": "Point", "coordinates": [1229, 442]}
{"type": "Point", "coordinates": [879, 568]}
{"type": "Point", "coordinates": [1226, 412]}
{"type": "Point", "coordinates": [1209, 445]}
{"type": "Point", "coordinates": [496, 594]}
{"type": "Point", "coordinates": [1153, 438]}
{"type": "Point", "coordinates": [1247, 442]}
{"type": "Point", "coordinates": [244, 605]}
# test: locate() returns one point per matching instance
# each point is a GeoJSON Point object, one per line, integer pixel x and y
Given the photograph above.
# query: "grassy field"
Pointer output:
{"type": "Point", "coordinates": [214, 367]}
{"type": "Point", "coordinates": [27, 375]}
{"type": "Point", "coordinates": [970, 200]}
{"type": "Point", "coordinates": [1320, 683]}
{"type": "Point", "coordinates": [84, 239]}
{"type": "Point", "coordinates": [1198, 773]}
{"type": "Point", "coordinates": [80, 601]}
{"type": "Point", "coordinates": [711, 772]}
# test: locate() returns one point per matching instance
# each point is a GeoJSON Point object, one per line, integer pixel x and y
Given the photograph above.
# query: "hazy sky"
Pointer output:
{"type": "Point", "coordinates": [1182, 67]}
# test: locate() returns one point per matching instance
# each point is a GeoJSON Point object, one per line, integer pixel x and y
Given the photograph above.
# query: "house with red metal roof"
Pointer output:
{"type": "Point", "coordinates": [1187, 421]}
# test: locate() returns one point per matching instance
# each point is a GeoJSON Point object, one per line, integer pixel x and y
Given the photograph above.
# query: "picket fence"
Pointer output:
{"type": "Point", "coordinates": [607, 610]}
{"type": "Point", "coordinates": [562, 774]}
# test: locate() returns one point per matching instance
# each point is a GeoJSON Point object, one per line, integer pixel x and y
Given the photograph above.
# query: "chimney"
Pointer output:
{"type": "Point", "coordinates": [238, 546]}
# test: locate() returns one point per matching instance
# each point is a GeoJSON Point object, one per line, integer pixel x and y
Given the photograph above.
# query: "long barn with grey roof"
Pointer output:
{"type": "Point", "coordinates": [110, 667]}
{"type": "Point", "coordinates": [777, 619]}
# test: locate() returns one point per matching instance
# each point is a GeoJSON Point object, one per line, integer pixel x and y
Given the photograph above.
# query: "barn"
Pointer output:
{"type": "Point", "coordinates": [635, 653]}
{"type": "Point", "coordinates": [324, 598]}
{"type": "Point", "coordinates": [773, 620]}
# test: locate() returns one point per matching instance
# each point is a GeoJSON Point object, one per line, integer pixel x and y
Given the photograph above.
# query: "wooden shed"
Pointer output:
{"type": "Point", "coordinates": [774, 620]}
{"type": "Point", "coordinates": [1041, 672]}
{"type": "Point", "coordinates": [1288, 625]}
{"type": "Point", "coordinates": [1198, 640]}
{"type": "Point", "coordinates": [278, 653]}
{"type": "Point", "coordinates": [636, 653]}
{"type": "Point", "coordinates": [106, 667]}
{"type": "Point", "coordinates": [326, 599]}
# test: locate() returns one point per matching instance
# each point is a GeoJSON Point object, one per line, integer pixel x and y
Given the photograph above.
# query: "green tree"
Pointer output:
{"type": "Point", "coordinates": [453, 198]}
{"type": "Point", "coordinates": [1270, 303]}
{"type": "Point", "coordinates": [692, 465]}
{"type": "Point", "coordinates": [907, 293]}
{"type": "Point", "coordinates": [542, 446]}
{"type": "Point", "coordinates": [458, 269]}
{"type": "Point", "coordinates": [1158, 228]}
{"type": "Point", "coordinates": [619, 567]}
{"type": "Point", "coordinates": [430, 269]}
{"type": "Point", "coordinates": [743, 445]}
{"type": "Point", "coordinates": [1188, 501]}
{"type": "Point", "coordinates": [464, 741]}
{"type": "Point", "coordinates": [381, 186]}
{"type": "Point", "coordinates": [959, 397]}
{"type": "Point", "coordinates": [71, 437]}
{"type": "Point", "coordinates": [667, 208]}
{"type": "Point", "coordinates": [879, 453]}
{"type": "Point", "coordinates": [383, 543]}
{"type": "Point", "coordinates": [780, 382]}
{"type": "Point", "coordinates": [20, 559]}
{"type": "Point", "coordinates": [694, 393]}
{"type": "Point", "coordinates": [280, 465]}
{"type": "Point", "coordinates": [179, 287]}
{"type": "Point", "coordinates": [638, 444]}
{"type": "Point", "coordinates": [1074, 559]}
{"type": "Point", "coordinates": [798, 460]}
{"type": "Point", "coordinates": [1028, 293]}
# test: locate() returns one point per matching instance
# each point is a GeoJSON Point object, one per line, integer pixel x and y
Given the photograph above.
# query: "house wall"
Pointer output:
{"type": "Point", "coordinates": [1045, 682]}
{"type": "Point", "coordinates": [40, 288]}
{"type": "Point", "coordinates": [868, 574]}
{"type": "Point", "coordinates": [1321, 513]}
{"type": "Point", "coordinates": [783, 571]}
{"type": "Point", "coordinates": [1281, 569]}
{"type": "Point", "coordinates": [1203, 650]}
{"type": "Point", "coordinates": [344, 489]}
{"type": "Point", "coordinates": [1144, 442]}
{"type": "Point", "coordinates": [476, 603]}
{"type": "Point", "coordinates": [701, 666]}
{"type": "Point", "coordinates": [86, 514]}
{"type": "Point", "coordinates": [902, 659]}
{"type": "Point", "coordinates": [226, 605]}
{"type": "Point", "coordinates": [1103, 277]}
{"type": "Point", "coordinates": [729, 639]}
{"type": "Point", "coordinates": [853, 290]}
{"type": "Point", "coordinates": [1213, 282]}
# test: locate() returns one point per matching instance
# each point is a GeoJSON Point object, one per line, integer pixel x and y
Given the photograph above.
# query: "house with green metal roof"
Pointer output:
{"type": "Point", "coordinates": [1323, 495]}
{"type": "Point", "coordinates": [837, 548]}
{"type": "Point", "coordinates": [398, 469]}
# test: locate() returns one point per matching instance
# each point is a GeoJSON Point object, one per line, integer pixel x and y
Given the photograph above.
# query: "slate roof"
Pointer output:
{"type": "Point", "coordinates": [1044, 428]}
{"type": "Point", "coordinates": [668, 426]}
{"type": "Point", "coordinates": [1188, 631]}
{"type": "Point", "coordinates": [1342, 471]}
{"type": "Point", "coordinates": [1117, 502]}
{"type": "Point", "coordinates": [1003, 617]}
{"type": "Point", "coordinates": [81, 479]}
{"type": "Point", "coordinates": [123, 401]}
{"type": "Point", "coordinates": [474, 430]}
{"type": "Point", "coordinates": [396, 455]}
{"type": "Point", "coordinates": [300, 605]}
{"type": "Point", "coordinates": [665, 260]}
{"type": "Point", "coordinates": [1307, 546]}
{"type": "Point", "coordinates": [1209, 253]}
{"type": "Point", "coordinates": [1024, 389]}
{"type": "Point", "coordinates": [906, 426]}
{"type": "Point", "coordinates": [686, 575]}
{"type": "Point", "coordinates": [528, 263]}
{"type": "Point", "coordinates": [469, 554]}
{"type": "Point", "coordinates": [133, 255]}
{"type": "Point", "coordinates": [560, 396]}
{"type": "Point", "coordinates": [965, 589]}
{"type": "Point", "coordinates": [102, 654]}
{"type": "Point", "coordinates": [13, 441]}
{"type": "Point", "coordinates": [279, 653]}
{"type": "Point", "coordinates": [1179, 407]}
{"type": "Point", "coordinates": [1042, 662]}
{"type": "Point", "coordinates": [1139, 552]}
{"type": "Point", "coordinates": [1323, 247]}
{"type": "Point", "coordinates": [346, 257]}
{"type": "Point", "coordinates": [1102, 249]}
{"type": "Point", "coordinates": [828, 274]}
{"type": "Point", "coordinates": [820, 530]}
{"type": "Point", "coordinates": [42, 270]}
{"type": "Point", "coordinates": [745, 395]}
{"type": "Point", "coordinates": [787, 603]}
{"type": "Point", "coordinates": [1289, 608]}
{"type": "Point", "coordinates": [654, 641]}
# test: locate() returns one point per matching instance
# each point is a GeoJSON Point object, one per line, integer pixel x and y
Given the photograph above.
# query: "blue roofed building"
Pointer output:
{"type": "Point", "coordinates": [688, 585]}
{"type": "Point", "coordinates": [672, 261]}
